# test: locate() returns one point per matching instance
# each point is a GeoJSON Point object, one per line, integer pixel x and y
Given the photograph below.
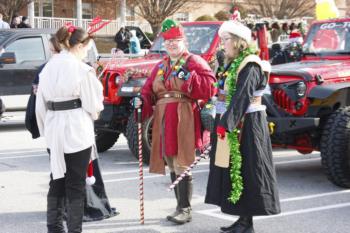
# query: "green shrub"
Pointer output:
{"type": "Point", "coordinates": [222, 15]}
{"type": "Point", "coordinates": [206, 18]}
{"type": "Point", "coordinates": [150, 35]}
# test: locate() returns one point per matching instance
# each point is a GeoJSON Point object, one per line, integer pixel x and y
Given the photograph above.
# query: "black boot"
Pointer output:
{"type": "Point", "coordinates": [75, 212]}
{"type": "Point", "coordinates": [176, 191]}
{"type": "Point", "coordinates": [54, 215]}
{"type": "Point", "coordinates": [242, 225]}
{"type": "Point", "coordinates": [185, 195]}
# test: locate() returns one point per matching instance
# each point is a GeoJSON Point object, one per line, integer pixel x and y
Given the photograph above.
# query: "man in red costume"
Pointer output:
{"type": "Point", "coordinates": [175, 84]}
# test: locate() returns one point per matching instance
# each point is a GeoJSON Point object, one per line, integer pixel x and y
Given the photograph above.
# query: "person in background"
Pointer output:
{"type": "Point", "coordinates": [135, 47]}
{"type": "Point", "coordinates": [275, 32]}
{"type": "Point", "coordinates": [68, 100]}
{"type": "Point", "coordinates": [24, 23]}
{"type": "Point", "coordinates": [175, 84]}
{"type": "Point", "coordinates": [3, 24]}
{"type": "Point", "coordinates": [122, 40]}
{"type": "Point", "coordinates": [16, 20]}
{"type": "Point", "coordinates": [285, 29]}
{"type": "Point", "coordinates": [249, 188]}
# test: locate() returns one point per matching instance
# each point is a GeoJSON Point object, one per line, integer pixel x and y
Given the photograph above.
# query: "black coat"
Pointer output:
{"type": "Point", "coordinates": [30, 118]}
{"type": "Point", "coordinates": [260, 194]}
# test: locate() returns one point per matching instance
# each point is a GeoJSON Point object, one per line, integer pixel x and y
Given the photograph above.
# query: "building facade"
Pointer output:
{"type": "Point", "coordinates": [54, 13]}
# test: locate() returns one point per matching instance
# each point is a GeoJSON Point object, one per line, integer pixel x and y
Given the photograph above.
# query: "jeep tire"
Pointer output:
{"type": "Point", "coordinates": [105, 140]}
{"type": "Point", "coordinates": [132, 137]}
{"type": "Point", "coordinates": [335, 147]}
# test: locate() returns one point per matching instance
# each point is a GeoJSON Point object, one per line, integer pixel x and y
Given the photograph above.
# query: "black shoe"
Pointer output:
{"type": "Point", "coordinates": [241, 228]}
{"type": "Point", "coordinates": [242, 225]}
{"type": "Point", "coordinates": [228, 228]}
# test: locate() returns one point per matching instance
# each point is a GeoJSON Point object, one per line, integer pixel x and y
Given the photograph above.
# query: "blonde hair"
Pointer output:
{"type": "Point", "coordinates": [239, 45]}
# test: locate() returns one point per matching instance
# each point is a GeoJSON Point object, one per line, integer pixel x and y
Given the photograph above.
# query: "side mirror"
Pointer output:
{"type": "Point", "coordinates": [8, 58]}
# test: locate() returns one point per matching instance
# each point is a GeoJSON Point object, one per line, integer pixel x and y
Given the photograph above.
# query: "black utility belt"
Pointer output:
{"type": "Point", "coordinates": [64, 105]}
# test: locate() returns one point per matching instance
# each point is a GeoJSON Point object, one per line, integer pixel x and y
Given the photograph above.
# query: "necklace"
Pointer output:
{"type": "Point", "coordinates": [174, 69]}
{"type": "Point", "coordinates": [235, 154]}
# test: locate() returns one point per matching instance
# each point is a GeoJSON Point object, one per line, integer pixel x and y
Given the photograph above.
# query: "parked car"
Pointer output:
{"type": "Point", "coordinates": [22, 51]}
{"type": "Point", "coordinates": [309, 109]}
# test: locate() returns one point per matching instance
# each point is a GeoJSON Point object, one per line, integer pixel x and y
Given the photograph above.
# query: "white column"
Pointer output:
{"type": "Point", "coordinates": [80, 13]}
{"type": "Point", "coordinates": [41, 10]}
{"type": "Point", "coordinates": [122, 13]}
{"type": "Point", "coordinates": [31, 14]}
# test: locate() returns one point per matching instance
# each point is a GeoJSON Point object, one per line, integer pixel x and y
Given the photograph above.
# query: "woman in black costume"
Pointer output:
{"type": "Point", "coordinates": [248, 187]}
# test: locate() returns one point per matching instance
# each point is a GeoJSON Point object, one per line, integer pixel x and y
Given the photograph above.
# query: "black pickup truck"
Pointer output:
{"type": "Point", "coordinates": [22, 51]}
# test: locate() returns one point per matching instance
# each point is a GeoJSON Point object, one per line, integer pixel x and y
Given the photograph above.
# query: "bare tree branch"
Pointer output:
{"type": "Point", "coordinates": [155, 11]}
{"type": "Point", "coordinates": [280, 8]}
{"type": "Point", "coordinates": [11, 7]}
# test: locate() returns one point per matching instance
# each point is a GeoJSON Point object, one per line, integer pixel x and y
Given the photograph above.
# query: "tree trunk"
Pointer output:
{"type": "Point", "coordinates": [156, 28]}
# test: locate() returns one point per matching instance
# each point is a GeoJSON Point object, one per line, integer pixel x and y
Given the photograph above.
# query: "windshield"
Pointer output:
{"type": "Point", "coordinates": [199, 38]}
{"type": "Point", "coordinates": [331, 38]}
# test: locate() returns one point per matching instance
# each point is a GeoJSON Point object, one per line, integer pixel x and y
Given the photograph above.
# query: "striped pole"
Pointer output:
{"type": "Point", "coordinates": [139, 126]}
{"type": "Point", "coordinates": [205, 155]}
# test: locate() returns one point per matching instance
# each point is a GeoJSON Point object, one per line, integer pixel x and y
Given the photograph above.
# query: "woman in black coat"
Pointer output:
{"type": "Point", "coordinates": [248, 186]}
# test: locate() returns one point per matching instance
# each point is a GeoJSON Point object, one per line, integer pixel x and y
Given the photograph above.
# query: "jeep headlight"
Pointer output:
{"type": "Point", "coordinates": [117, 80]}
{"type": "Point", "coordinates": [300, 89]}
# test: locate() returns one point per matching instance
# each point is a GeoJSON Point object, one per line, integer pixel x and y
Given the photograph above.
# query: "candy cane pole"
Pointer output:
{"type": "Point", "coordinates": [139, 126]}
{"type": "Point", "coordinates": [205, 154]}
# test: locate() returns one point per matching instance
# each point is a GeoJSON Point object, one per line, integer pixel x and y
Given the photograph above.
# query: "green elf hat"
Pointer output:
{"type": "Point", "coordinates": [172, 30]}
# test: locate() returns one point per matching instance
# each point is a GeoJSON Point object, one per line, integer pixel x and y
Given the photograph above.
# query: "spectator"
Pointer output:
{"type": "Point", "coordinates": [135, 47]}
{"type": "Point", "coordinates": [285, 29]}
{"type": "Point", "coordinates": [16, 20]}
{"type": "Point", "coordinates": [275, 32]}
{"type": "Point", "coordinates": [295, 35]}
{"type": "Point", "coordinates": [3, 24]}
{"type": "Point", "coordinates": [122, 39]}
{"type": "Point", "coordinates": [24, 23]}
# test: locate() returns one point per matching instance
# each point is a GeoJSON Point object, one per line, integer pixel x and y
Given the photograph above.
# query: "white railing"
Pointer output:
{"type": "Point", "coordinates": [110, 29]}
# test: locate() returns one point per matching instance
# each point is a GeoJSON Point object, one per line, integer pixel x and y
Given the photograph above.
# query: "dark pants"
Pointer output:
{"type": "Point", "coordinates": [72, 186]}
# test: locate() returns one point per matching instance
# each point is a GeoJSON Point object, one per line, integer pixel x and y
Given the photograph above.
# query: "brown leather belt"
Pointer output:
{"type": "Point", "coordinates": [171, 95]}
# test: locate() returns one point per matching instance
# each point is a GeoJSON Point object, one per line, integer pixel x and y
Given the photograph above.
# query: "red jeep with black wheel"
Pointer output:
{"type": "Point", "coordinates": [309, 108]}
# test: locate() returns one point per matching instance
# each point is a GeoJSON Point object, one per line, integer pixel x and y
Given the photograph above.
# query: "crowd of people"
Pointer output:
{"type": "Point", "coordinates": [288, 30]}
{"type": "Point", "coordinates": [16, 22]}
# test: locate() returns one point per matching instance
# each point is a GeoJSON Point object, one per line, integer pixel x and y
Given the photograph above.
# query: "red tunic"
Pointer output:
{"type": "Point", "coordinates": [177, 126]}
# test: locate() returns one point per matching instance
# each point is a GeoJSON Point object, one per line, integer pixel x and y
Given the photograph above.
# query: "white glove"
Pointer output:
{"type": "Point", "coordinates": [137, 102]}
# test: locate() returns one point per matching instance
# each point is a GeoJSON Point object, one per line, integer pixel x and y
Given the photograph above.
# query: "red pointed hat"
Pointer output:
{"type": "Point", "coordinates": [172, 30]}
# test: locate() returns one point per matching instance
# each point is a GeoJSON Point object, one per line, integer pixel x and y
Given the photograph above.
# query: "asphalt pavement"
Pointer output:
{"type": "Point", "coordinates": [310, 203]}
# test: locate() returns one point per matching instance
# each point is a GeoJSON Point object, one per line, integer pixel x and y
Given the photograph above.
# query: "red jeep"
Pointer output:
{"type": "Point", "coordinates": [123, 79]}
{"type": "Point", "coordinates": [309, 108]}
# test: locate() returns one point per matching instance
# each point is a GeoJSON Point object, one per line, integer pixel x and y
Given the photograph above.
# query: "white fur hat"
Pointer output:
{"type": "Point", "coordinates": [236, 28]}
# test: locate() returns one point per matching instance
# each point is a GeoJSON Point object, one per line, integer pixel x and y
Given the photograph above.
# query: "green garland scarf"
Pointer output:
{"type": "Point", "coordinates": [236, 157]}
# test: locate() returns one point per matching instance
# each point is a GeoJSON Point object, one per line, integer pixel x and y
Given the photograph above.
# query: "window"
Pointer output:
{"type": "Point", "coordinates": [27, 49]}
{"type": "Point", "coordinates": [130, 14]}
{"type": "Point", "coordinates": [199, 39]}
{"type": "Point", "coordinates": [87, 11]}
{"type": "Point", "coordinates": [182, 16]}
{"type": "Point", "coordinates": [43, 8]}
